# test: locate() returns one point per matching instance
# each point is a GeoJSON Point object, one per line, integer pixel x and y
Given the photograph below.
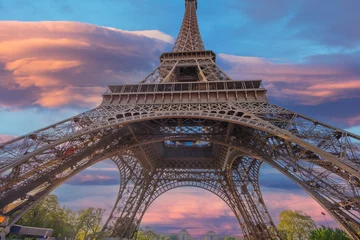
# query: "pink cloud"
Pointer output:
{"type": "Point", "coordinates": [52, 64]}
{"type": "Point", "coordinates": [5, 138]}
{"type": "Point", "coordinates": [306, 83]}
{"type": "Point", "coordinates": [193, 209]}
{"type": "Point", "coordinates": [85, 178]}
{"type": "Point", "coordinates": [353, 121]}
{"type": "Point", "coordinates": [201, 211]}
{"type": "Point", "coordinates": [278, 202]}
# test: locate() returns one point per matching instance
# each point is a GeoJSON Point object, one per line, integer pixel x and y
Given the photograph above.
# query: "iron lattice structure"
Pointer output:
{"type": "Point", "coordinates": [187, 124]}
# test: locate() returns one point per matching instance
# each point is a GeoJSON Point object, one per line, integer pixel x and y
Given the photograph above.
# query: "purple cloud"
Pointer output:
{"type": "Point", "coordinates": [329, 23]}
{"type": "Point", "coordinates": [52, 64]}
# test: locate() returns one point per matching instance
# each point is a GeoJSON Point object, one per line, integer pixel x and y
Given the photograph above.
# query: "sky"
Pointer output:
{"type": "Point", "coordinates": [58, 56]}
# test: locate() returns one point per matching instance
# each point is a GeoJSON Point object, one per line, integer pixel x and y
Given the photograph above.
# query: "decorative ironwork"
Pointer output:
{"type": "Point", "coordinates": [187, 124]}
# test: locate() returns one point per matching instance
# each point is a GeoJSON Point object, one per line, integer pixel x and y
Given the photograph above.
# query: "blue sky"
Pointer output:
{"type": "Point", "coordinates": [307, 53]}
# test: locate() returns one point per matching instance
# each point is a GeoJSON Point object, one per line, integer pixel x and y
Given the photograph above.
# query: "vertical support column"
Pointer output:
{"type": "Point", "coordinates": [244, 218]}
{"type": "Point", "coordinates": [137, 186]}
{"type": "Point", "coordinates": [122, 222]}
{"type": "Point", "coordinates": [247, 197]}
{"type": "Point", "coordinates": [245, 179]}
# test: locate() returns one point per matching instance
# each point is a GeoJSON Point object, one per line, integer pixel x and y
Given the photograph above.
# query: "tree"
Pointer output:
{"type": "Point", "coordinates": [149, 234]}
{"type": "Point", "coordinates": [164, 238]}
{"type": "Point", "coordinates": [146, 234]}
{"type": "Point", "coordinates": [229, 238]}
{"type": "Point", "coordinates": [66, 223]}
{"type": "Point", "coordinates": [295, 225]}
{"type": "Point", "coordinates": [89, 222]}
{"type": "Point", "coordinates": [47, 214]}
{"type": "Point", "coordinates": [325, 233]}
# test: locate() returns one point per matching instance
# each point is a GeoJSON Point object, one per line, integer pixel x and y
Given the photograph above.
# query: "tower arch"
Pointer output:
{"type": "Point", "coordinates": [112, 145]}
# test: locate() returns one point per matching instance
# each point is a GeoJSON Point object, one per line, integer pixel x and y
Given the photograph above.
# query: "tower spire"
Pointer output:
{"type": "Point", "coordinates": [189, 38]}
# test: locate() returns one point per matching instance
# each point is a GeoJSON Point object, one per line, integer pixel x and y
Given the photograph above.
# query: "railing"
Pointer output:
{"type": "Point", "coordinates": [186, 87]}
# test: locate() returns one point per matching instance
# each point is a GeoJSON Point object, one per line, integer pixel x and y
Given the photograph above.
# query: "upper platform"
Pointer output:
{"type": "Point", "coordinates": [193, 92]}
{"type": "Point", "coordinates": [188, 55]}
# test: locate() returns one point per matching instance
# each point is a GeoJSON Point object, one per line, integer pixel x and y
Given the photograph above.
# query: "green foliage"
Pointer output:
{"type": "Point", "coordinates": [295, 225]}
{"type": "Point", "coordinates": [229, 238]}
{"type": "Point", "coordinates": [164, 238]}
{"type": "Point", "coordinates": [65, 223]}
{"type": "Point", "coordinates": [325, 233]}
{"type": "Point", "coordinates": [48, 214]}
{"type": "Point", "coordinates": [89, 222]}
{"type": "Point", "coordinates": [146, 234]}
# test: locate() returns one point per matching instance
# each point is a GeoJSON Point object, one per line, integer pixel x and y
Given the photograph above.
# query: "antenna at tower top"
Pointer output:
{"type": "Point", "coordinates": [189, 1]}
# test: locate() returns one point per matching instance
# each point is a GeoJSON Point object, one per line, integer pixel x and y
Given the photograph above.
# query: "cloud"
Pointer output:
{"type": "Point", "coordinates": [93, 179]}
{"type": "Point", "coordinates": [353, 121]}
{"type": "Point", "coordinates": [180, 209]}
{"type": "Point", "coordinates": [199, 211]}
{"type": "Point", "coordinates": [189, 208]}
{"type": "Point", "coordinates": [80, 96]}
{"type": "Point", "coordinates": [52, 64]}
{"type": "Point", "coordinates": [155, 34]}
{"type": "Point", "coordinates": [311, 83]}
{"type": "Point", "coordinates": [103, 176]}
{"type": "Point", "coordinates": [278, 181]}
{"type": "Point", "coordinates": [5, 138]}
{"type": "Point", "coordinates": [279, 201]}
{"type": "Point", "coordinates": [331, 24]}
{"type": "Point", "coordinates": [326, 29]}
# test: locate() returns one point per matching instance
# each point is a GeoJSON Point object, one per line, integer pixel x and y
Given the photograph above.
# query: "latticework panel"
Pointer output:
{"type": "Point", "coordinates": [256, 129]}
{"type": "Point", "coordinates": [208, 71]}
{"type": "Point", "coordinates": [189, 38]}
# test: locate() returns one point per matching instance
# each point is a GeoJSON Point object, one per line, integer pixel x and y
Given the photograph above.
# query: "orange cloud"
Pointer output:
{"type": "Point", "coordinates": [16, 47]}
{"type": "Point", "coordinates": [89, 96]}
{"type": "Point", "coordinates": [52, 64]}
{"type": "Point", "coordinates": [29, 66]}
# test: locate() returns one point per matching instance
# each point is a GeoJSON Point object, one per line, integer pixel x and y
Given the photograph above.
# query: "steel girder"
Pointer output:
{"type": "Point", "coordinates": [334, 187]}
{"type": "Point", "coordinates": [207, 70]}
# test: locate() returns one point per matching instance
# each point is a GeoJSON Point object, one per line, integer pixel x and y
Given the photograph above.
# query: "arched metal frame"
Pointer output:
{"type": "Point", "coordinates": [282, 165]}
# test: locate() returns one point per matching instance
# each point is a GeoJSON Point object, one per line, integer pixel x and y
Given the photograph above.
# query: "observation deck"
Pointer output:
{"type": "Point", "coordinates": [186, 92]}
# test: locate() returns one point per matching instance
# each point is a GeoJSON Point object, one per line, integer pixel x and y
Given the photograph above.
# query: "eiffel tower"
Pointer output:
{"type": "Point", "coordinates": [187, 124]}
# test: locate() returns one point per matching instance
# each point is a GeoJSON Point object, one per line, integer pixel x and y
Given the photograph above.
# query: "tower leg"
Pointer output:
{"type": "Point", "coordinates": [246, 183]}
{"type": "Point", "coordinates": [242, 184]}
{"type": "Point", "coordinates": [137, 188]}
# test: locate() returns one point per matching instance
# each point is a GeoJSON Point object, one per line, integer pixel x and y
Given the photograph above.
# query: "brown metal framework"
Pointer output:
{"type": "Point", "coordinates": [187, 124]}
